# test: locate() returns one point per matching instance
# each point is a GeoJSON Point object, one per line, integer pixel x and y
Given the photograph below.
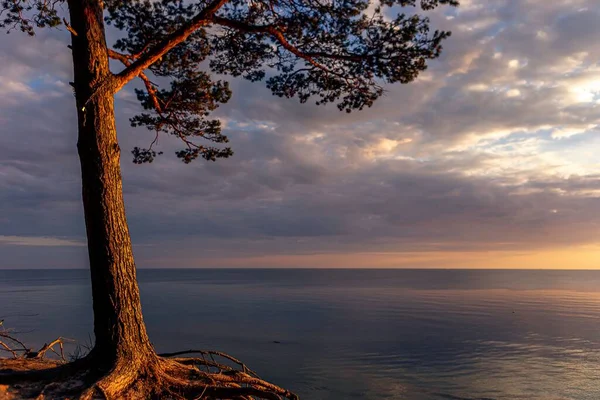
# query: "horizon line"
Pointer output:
{"type": "Point", "coordinates": [318, 268]}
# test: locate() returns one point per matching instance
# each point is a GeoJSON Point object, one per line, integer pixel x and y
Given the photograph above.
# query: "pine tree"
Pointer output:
{"type": "Point", "coordinates": [331, 51]}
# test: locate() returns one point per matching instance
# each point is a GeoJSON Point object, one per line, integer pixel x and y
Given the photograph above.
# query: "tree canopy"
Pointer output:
{"type": "Point", "coordinates": [332, 51]}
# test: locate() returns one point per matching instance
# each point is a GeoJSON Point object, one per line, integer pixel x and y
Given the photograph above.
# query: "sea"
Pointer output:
{"type": "Point", "coordinates": [353, 334]}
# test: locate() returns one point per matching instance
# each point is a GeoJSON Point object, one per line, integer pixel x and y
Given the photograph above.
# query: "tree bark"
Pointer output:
{"type": "Point", "coordinates": [118, 324]}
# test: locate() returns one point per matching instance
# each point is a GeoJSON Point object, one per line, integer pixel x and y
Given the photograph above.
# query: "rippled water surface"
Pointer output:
{"type": "Point", "coordinates": [355, 334]}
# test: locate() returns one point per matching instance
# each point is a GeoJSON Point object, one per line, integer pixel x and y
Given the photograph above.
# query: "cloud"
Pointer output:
{"type": "Point", "coordinates": [493, 150]}
{"type": "Point", "coordinates": [37, 241]}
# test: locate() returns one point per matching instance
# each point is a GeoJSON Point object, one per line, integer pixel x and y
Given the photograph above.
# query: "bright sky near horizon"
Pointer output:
{"type": "Point", "coordinates": [489, 160]}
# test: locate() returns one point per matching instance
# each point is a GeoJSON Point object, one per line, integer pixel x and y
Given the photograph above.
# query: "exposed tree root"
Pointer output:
{"type": "Point", "coordinates": [205, 375]}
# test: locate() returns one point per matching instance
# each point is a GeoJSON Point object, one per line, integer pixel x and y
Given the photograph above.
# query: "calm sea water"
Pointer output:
{"type": "Point", "coordinates": [355, 334]}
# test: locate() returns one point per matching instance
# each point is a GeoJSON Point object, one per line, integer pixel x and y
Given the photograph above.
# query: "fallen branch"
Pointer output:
{"type": "Point", "coordinates": [5, 334]}
{"type": "Point", "coordinates": [5, 347]}
{"type": "Point", "coordinates": [28, 352]}
{"type": "Point", "coordinates": [46, 347]}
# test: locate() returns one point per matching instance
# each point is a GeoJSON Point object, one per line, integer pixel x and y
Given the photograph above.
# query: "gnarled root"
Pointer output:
{"type": "Point", "coordinates": [208, 375]}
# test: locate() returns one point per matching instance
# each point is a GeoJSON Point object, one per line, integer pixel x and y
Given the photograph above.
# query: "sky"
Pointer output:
{"type": "Point", "coordinates": [488, 160]}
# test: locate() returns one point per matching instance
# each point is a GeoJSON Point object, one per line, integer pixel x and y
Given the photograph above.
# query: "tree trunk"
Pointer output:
{"type": "Point", "coordinates": [118, 324]}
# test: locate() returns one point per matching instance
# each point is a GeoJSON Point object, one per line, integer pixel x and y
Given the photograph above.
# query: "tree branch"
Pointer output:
{"type": "Point", "coordinates": [273, 31]}
{"type": "Point", "coordinates": [127, 61]}
{"type": "Point", "coordinates": [138, 63]}
{"type": "Point", "coordinates": [278, 35]}
{"type": "Point", "coordinates": [154, 54]}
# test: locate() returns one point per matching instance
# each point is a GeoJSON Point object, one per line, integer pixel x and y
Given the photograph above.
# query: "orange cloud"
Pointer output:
{"type": "Point", "coordinates": [579, 257]}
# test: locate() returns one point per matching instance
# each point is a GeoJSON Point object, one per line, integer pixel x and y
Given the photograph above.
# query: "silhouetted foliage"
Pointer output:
{"type": "Point", "coordinates": [338, 52]}
{"type": "Point", "coordinates": [26, 15]}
